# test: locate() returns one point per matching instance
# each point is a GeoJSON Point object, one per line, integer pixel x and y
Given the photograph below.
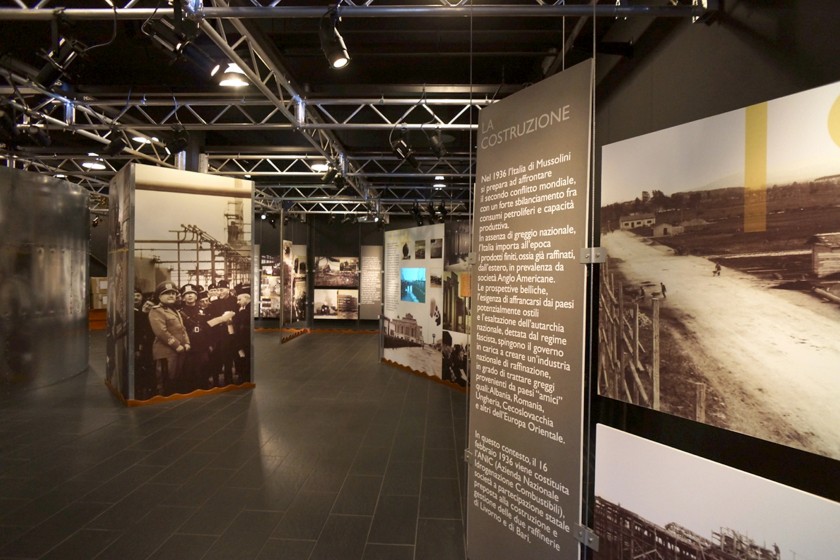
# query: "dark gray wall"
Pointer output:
{"type": "Point", "coordinates": [756, 51]}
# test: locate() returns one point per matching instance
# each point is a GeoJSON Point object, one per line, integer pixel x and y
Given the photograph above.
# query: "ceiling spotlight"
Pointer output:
{"type": "Point", "coordinates": [418, 215]}
{"type": "Point", "coordinates": [439, 186]}
{"type": "Point", "coordinates": [233, 76]}
{"type": "Point", "coordinates": [339, 181]}
{"type": "Point", "coordinates": [436, 142]}
{"type": "Point", "coordinates": [179, 141]}
{"type": "Point", "coordinates": [273, 222]}
{"type": "Point", "coordinates": [401, 148]}
{"type": "Point", "coordinates": [116, 145]}
{"type": "Point", "coordinates": [263, 216]}
{"type": "Point", "coordinates": [332, 43]}
{"type": "Point", "coordinates": [95, 221]}
{"type": "Point", "coordinates": [330, 175]}
{"type": "Point", "coordinates": [320, 167]}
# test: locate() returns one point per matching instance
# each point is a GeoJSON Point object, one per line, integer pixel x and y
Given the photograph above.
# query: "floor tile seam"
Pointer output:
{"type": "Point", "coordinates": [461, 489]}
{"type": "Point", "coordinates": [422, 468]}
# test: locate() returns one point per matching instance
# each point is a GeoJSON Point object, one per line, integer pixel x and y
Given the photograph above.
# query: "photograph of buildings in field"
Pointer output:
{"type": "Point", "coordinates": [337, 272]}
{"type": "Point", "coordinates": [653, 501]}
{"type": "Point", "coordinates": [723, 240]}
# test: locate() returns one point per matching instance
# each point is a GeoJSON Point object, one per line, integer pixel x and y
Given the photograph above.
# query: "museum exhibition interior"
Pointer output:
{"type": "Point", "coordinates": [460, 280]}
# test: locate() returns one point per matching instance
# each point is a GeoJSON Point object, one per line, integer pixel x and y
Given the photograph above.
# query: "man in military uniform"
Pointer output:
{"type": "Point", "coordinates": [195, 321]}
{"type": "Point", "coordinates": [199, 323]}
{"type": "Point", "coordinates": [171, 340]}
{"type": "Point", "coordinates": [221, 339]}
{"type": "Point", "coordinates": [242, 333]}
{"type": "Point", "coordinates": [145, 384]}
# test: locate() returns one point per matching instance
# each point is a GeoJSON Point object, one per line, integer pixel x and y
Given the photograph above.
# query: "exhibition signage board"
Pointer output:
{"type": "Point", "coordinates": [526, 393]}
{"type": "Point", "coordinates": [413, 291]}
{"type": "Point", "coordinates": [722, 243]}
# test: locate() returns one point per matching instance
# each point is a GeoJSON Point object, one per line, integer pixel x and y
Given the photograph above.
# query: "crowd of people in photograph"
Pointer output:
{"type": "Point", "coordinates": [191, 338]}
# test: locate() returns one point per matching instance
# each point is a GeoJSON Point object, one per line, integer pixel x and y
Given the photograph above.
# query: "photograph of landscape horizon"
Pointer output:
{"type": "Point", "coordinates": [720, 298]}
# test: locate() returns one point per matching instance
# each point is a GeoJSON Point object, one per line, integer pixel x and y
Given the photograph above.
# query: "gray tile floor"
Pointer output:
{"type": "Point", "coordinates": [333, 456]}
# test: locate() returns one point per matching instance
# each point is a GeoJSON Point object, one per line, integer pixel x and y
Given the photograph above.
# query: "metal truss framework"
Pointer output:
{"type": "Point", "coordinates": [374, 182]}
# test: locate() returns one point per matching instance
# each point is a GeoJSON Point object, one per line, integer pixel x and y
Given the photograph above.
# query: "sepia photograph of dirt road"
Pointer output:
{"type": "Point", "coordinates": [720, 298]}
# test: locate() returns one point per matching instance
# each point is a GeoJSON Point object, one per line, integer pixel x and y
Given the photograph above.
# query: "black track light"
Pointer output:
{"type": "Point", "coordinates": [332, 43]}
{"type": "Point", "coordinates": [402, 149]}
{"type": "Point", "coordinates": [436, 142]}
{"type": "Point", "coordinates": [179, 141]}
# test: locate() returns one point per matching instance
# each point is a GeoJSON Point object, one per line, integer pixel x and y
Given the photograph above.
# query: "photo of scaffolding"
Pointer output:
{"type": "Point", "coordinates": [653, 501]}
{"type": "Point", "coordinates": [202, 242]}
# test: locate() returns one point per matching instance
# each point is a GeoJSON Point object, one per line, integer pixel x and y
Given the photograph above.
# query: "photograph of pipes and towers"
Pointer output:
{"type": "Point", "coordinates": [720, 297]}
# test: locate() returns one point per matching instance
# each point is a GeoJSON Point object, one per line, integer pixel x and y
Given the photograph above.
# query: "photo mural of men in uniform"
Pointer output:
{"type": "Point", "coordinates": [199, 323]}
{"type": "Point", "coordinates": [195, 321]}
{"type": "Point", "coordinates": [145, 383]}
{"type": "Point", "coordinates": [171, 340]}
{"type": "Point", "coordinates": [221, 338]}
{"type": "Point", "coordinates": [242, 334]}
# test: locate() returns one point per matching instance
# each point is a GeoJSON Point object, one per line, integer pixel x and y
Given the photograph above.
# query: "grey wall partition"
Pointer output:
{"type": "Point", "coordinates": [43, 279]}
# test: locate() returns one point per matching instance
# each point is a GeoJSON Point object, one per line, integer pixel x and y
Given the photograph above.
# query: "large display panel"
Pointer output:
{"type": "Point", "coordinates": [719, 300]}
{"type": "Point", "coordinates": [186, 263]}
{"type": "Point", "coordinates": [526, 392]}
{"type": "Point", "coordinates": [457, 291]}
{"type": "Point", "coordinates": [413, 293]}
{"type": "Point", "coordinates": [370, 282]}
{"type": "Point", "coordinates": [673, 505]}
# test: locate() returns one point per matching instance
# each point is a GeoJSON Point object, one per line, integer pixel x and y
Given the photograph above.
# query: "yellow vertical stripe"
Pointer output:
{"type": "Point", "coordinates": [755, 169]}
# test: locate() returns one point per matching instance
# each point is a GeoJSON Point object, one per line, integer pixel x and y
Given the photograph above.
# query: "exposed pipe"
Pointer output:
{"type": "Point", "coordinates": [279, 12]}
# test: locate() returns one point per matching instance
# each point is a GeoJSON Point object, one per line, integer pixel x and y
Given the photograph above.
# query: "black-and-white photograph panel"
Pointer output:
{"type": "Point", "coordinates": [337, 272]}
{"type": "Point", "coordinates": [193, 264]}
{"type": "Point", "coordinates": [412, 324]}
{"type": "Point", "coordinates": [720, 298]}
{"type": "Point", "coordinates": [653, 501]}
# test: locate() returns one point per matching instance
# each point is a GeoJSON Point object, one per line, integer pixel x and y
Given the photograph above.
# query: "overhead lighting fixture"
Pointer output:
{"type": "Point", "coordinates": [95, 221]}
{"type": "Point", "coordinates": [436, 142]}
{"type": "Point", "coordinates": [439, 186]}
{"type": "Point", "coordinates": [94, 165]}
{"type": "Point", "coordinates": [263, 216]}
{"type": "Point", "coordinates": [116, 145]}
{"type": "Point", "coordinates": [332, 43]}
{"type": "Point", "coordinates": [402, 149]}
{"type": "Point", "coordinates": [417, 213]}
{"type": "Point", "coordinates": [179, 141]}
{"type": "Point", "coordinates": [320, 167]}
{"type": "Point", "coordinates": [330, 175]}
{"type": "Point", "coordinates": [144, 139]}
{"type": "Point", "coordinates": [233, 77]}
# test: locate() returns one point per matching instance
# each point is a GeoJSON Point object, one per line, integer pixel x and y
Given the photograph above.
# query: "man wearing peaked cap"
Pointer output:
{"type": "Point", "coordinates": [221, 339]}
{"type": "Point", "coordinates": [171, 340]}
{"type": "Point", "coordinates": [195, 322]}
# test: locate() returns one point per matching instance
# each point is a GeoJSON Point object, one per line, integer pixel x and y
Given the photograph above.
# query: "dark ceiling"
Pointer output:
{"type": "Point", "coordinates": [77, 75]}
